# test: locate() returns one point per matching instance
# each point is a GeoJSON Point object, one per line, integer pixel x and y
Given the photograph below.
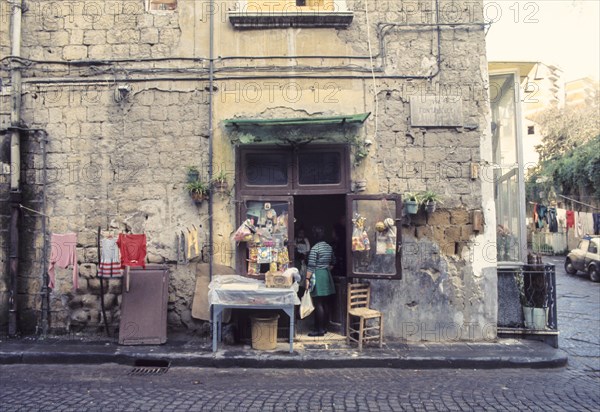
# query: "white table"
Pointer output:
{"type": "Point", "coordinates": [236, 292]}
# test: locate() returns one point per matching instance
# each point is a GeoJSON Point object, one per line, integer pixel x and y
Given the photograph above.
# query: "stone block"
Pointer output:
{"type": "Point", "coordinates": [79, 317]}
{"type": "Point", "coordinates": [93, 285]}
{"type": "Point", "coordinates": [162, 20]}
{"type": "Point", "coordinates": [459, 154]}
{"type": "Point", "coordinates": [92, 37]}
{"type": "Point", "coordinates": [72, 130]}
{"type": "Point", "coordinates": [424, 232]}
{"type": "Point", "coordinates": [120, 50]}
{"type": "Point", "coordinates": [140, 50]}
{"type": "Point", "coordinates": [466, 231]}
{"type": "Point", "coordinates": [129, 36]}
{"type": "Point", "coordinates": [76, 36]}
{"type": "Point", "coordinates": [90, 254]}
{"type": "Point", "coordinates": [414, 154]}
{"type": "Point", "coordinates": [94, 316]}
{"type": "Point", "coordinates": [149, 35]}
{"type": "Point", "coordinates": [145, 20]}
{"type": "Point", "coordinates": [99, 51]}
{"type": "Point", "coordinates": [59, 38]}
{"type": "Point", "coordinates": [453, 233]}
{"type": "Point", "coordinates": [75, 52]}
{"type": "Point", "coordinates": [459, 216]}
{"type": "Point", "coordinates": [110, 301]}
{"type": "Point", "coordinates": [87, 270]}
{"type": "Point", "coordinates": [440, 217]}
{"type": "Point", "coordinates": [59, 318]}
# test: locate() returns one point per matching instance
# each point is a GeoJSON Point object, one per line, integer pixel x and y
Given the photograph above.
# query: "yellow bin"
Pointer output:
{"type": "Point", "coordinates": [264, 332]}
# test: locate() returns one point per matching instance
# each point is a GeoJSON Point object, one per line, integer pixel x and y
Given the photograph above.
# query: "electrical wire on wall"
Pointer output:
{"type": "Point", "coordinates": [375, 92]}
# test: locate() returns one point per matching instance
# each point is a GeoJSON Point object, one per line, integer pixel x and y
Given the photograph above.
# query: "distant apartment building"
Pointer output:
{"type": "Point", "coordinates": [581, 92]}
{"type": "Point", "coordinates": [541, 87]}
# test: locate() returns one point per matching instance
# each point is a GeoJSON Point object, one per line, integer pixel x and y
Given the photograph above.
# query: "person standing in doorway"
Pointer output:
{"type": "Point", "coordinates": [320, 263]}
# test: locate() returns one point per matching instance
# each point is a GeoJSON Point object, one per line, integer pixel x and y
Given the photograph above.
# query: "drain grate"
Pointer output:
{"type": "Point", "coordinates": [147, 367]}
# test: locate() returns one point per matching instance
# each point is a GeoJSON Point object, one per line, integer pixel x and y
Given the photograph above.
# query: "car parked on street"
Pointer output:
{"type": "Point", "coordinates": [585, 258]}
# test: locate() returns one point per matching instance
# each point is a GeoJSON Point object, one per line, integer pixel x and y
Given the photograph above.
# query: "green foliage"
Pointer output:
{"type": "Point", "coordinates": [220, 177]}
{"type": "Point", "coordinates": [566, 128]}
{"type": "Point", "coordinates": [410, 196]}
{"type": "Point", "coordinates": [429, 196]}
{"type": "Point", "coordinates": [574, 174]}
{"type": "Point", "coordinates": [197, 187]}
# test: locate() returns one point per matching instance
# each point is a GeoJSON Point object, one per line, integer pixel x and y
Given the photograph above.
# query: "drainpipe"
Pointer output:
{"type": "Point", "coordinates": [45, 288]}
{"type": "Point", "coordinates": [211, 69]}
{"type": "Point", "coordinates": [15, 160]}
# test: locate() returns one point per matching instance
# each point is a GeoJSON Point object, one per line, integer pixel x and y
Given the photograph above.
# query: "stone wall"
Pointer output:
{"type": "Point", "coordinates": [118, 162]}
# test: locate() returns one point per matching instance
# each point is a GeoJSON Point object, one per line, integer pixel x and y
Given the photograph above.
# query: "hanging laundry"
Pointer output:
{"type": "Point", "coordinates": [588, 223]}
{"type": "Point", "coordinates": [63, 254]}
{"type": "Point", "coordinates": [541, 211]}
{"type": "Point", "coordinates": [133, 250]}
{"type": "Point", "coordinates": [181, 248]}
{"type": "Point", "coordinates": [110, 259]}
{"type": "Point", "coordinates": [570, 219]}
{"type": "Point", "coordinates": [552, 222]}
{"type": "Point", "coordinates": [579, 224]}
{"type": "Point", "coordinates": [561, 216]}
{"type": "Point", "coordinates": [596, 217]}
{"type": "Point", "coordinates": [193, 246]}
{"type": "Point", "coordinates": [535, 215]}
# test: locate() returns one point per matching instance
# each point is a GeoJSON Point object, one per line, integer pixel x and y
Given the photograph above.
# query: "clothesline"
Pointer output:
{"type": "Point", "coordinates": [32, 210]}
{"type": "Point", "coordinates": [577, 201]}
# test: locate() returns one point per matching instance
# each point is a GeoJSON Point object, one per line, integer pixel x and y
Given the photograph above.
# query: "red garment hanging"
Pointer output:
{"type": "Point", "coordinates": [570, 219]}
{"type": "Point", "coordinates": [133, 250]}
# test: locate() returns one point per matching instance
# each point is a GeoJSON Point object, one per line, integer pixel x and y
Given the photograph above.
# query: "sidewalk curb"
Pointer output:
{"type": "Point", "coordinates": [224, 359]}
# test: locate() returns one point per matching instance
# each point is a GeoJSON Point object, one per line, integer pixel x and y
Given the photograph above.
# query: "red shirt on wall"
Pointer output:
{"type": "Point", "coordinates": [133, 250]}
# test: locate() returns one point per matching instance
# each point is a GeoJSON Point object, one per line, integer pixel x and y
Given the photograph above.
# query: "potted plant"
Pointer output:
{"type": "Point", "coordinates": [532, 295]}
{"type": "Point", "coordinates": [198, 191]}
{"type": "Point", "coordinates": [430, 199]}
{"type": "Point", "coordinates": [219, 182]}
{"type": "Point", "coordinates": [411, 203]}
{"type": "Point", "coordinates": [192, 174]}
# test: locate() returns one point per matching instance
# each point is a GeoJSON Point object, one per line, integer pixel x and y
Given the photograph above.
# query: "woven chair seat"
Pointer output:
{"type": "Point", "coordinates": [365, 313]}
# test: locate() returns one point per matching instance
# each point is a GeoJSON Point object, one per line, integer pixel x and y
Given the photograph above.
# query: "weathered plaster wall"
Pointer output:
{"type": "Point", "coordinates": [122, 164]}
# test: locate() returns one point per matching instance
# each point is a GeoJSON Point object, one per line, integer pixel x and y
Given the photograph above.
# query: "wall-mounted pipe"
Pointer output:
{"type": "Point", "coordinates": [211, 68]}
{"type": "Point", "coordinates": [15, 160]}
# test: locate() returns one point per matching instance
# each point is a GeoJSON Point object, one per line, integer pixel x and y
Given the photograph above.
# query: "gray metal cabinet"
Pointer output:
{"type": "Point", "coordinates": [144, 307]}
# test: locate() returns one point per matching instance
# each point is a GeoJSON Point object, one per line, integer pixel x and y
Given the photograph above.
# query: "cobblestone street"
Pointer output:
{"type": "Point", "coordinates": [112, 388]}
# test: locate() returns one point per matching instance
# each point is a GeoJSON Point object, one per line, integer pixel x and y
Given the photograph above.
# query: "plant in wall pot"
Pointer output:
{"type": "Point", "coordinates": [411, 203]}
{"type": "Point", "coordinates": [429, 200]}
{"type": "Point", "coordinates": [192, 174]}
{"type": "Point", "coordinates": [198, 191]}
{"type": "Point", "coordinates": [219, 182]}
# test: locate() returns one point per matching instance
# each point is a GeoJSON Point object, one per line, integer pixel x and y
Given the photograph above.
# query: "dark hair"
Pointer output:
{"type": "Point", "coordinates": [318, 233]}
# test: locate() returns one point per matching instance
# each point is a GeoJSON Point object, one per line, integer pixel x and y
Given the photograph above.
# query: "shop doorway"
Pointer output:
{"type": "Point", "coordinates": [329, 212]}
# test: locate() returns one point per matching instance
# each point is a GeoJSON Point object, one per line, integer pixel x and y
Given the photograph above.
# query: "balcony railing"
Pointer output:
{"type": "Point", "coordinates": [527, 302]}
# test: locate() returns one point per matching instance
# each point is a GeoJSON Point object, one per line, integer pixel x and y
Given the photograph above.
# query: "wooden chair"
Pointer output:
{"type": "Point", "coordinates": [370, 321]}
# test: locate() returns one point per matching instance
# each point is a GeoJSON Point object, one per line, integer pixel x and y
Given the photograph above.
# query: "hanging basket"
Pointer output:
{"type": "Point", "coordinates": [220, 187]}
{"type": "Point", "coordinates": [198, 198]}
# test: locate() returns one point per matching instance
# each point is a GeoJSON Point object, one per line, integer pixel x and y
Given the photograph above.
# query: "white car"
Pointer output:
{"type": "Point", "coordinates": [585, 258]}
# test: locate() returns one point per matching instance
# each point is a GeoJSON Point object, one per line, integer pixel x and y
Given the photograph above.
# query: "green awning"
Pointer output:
{"type": "Point", "coordinates": [299, 121]}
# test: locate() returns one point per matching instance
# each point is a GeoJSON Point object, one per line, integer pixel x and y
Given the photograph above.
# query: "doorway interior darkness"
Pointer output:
{"type": "Point", "coordinates": [328, 211]}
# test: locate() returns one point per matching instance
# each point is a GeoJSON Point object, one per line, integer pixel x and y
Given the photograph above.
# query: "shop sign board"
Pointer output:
{"type": "Point", "coordinates": [435, 111]}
